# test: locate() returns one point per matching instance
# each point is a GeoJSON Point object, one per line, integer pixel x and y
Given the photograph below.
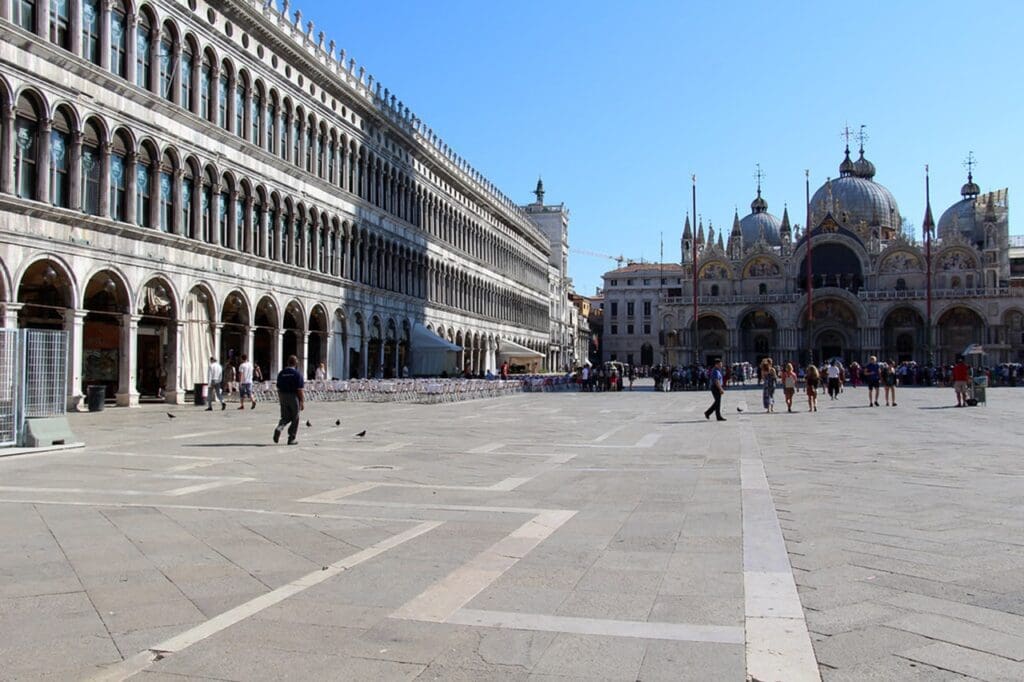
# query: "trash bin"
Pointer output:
{"type": "Point", "coordinates": [980, 388]}
{"type": "Point", "coordinates": [94, 397]}
{"type": "Point", "coordinates": [199, 391]}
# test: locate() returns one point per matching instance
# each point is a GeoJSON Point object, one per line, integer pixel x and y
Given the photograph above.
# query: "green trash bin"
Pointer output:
{"type": "Point", "coordinates": [980, 388]}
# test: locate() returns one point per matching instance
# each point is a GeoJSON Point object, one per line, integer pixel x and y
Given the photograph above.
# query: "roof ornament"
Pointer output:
{"type": "Point", "coordinates": [759, 205]}
{"type": "Point", "coordinates": [970, 190]}
{"type": "Point", "coordinates": [539, 192]}
{"type": "Point", "coordinates": [846, 167]}
{"type": "Point", "coordinates": [863, 168]}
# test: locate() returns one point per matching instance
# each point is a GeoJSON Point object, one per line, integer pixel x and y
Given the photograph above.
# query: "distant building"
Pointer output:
{"type": "Point", "coordinates": [635, 330]}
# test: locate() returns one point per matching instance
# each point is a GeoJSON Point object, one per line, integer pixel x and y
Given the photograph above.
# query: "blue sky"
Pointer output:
{"type": "Point", "coordinates": [616, 104]}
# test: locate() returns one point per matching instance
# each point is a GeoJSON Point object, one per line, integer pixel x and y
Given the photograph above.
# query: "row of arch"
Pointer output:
{"type": "Point", "coordinates": [154, 337]}
{"type": "Point", "coordinates": [113, 174]}
{"type": "Point", "coordinates": [155, 54]}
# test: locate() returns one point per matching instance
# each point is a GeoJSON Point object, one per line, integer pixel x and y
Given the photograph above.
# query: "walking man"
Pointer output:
{"type": "Point", "coordinates": [833, 372]}
{"type": "Point", "coordinates": [291, 398]}
{"type": "Point", "coordinates": [245, 383]}
{"type": "Point", "coordinates": [717, 380]}
{"type": "Point", "coordinates": [961, 376]}
{"type": "Point", "coordinates": [214, 377]}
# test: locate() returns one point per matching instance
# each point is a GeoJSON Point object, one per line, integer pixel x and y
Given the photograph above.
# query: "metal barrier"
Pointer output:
{"type": "Point", "coordinates": [10, 424]}
{"type": "Point", "coordinates": [33, 379]}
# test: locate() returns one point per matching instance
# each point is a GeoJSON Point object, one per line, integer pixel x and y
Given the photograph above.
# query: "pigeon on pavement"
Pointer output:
{"type": "Point", "coordinates": [171, 416]}
{"type": "Point", "coordinates": [308, 424]}
{"type": "Point", "coordinates": [361, 434]}
{"type": "Point", "coordinates": [337, 422]}
{"type": "Point", "coordinates": [739, 409]}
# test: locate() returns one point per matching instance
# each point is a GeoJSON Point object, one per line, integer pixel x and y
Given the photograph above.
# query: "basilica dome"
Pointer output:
{"type": "Point", "coordinates": [854, 198]}
{"type": "Point", "coordinates": [960, 217]}
{"type": "Point", "coordinates": [752, 225]}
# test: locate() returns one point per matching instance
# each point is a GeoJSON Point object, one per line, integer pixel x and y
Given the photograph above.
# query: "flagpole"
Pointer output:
{"type": "Point", "coordinates": [810, 270]}
{"type": "Point", "coordinates": [696, 339]}
{"type": "Point", "coordinates": [661, 284]}
{"type": "Point", "coordinates": [929, 225]}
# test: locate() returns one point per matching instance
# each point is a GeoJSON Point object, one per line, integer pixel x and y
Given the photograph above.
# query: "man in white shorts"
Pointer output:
{"type": "Point", "coordinates": [245, 383]}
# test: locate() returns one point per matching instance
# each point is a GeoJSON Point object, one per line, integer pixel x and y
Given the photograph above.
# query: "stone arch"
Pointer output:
{"type": "Point", "coordinates": [904, 333]}
{"type": "Point", "coordinates": [236, 320]}
{"type": "Point", "coordinates": [758, 335]}
{"type": "Point", "coordinates": [317, 341]}
{"type": "Point", "coordinates": [46, 288]}
{"type": "Point", "coordinates": [959, 325]}
{"type": "Point", "coordinates": [293, 323]}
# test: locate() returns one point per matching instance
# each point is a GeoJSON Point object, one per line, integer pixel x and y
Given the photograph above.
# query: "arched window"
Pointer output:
{"type": "Point", "coordinates": [223, 96]}
{"type": "Point", "coordinates": [23, 14]}
{"type": "Point", "coordinates": [91, 13]}
{"type": "Point", "coordinates": [256, 243]}
{"type": "Point", "coordinates": [714, 290]}
{"type": "Point", "coordinates": [143, 188]}
{"type": "Point", "coordinates": [188, 62]}
{"type": "Point", "coordinates": [331, 159]}
{"type": "Point", "coordinates": [256, 115]}
{"type": "Point", "coordinates": [207, 200]}
{"type": "Point", "coordinates": [901, 284]}
{"type": "Point", "coordinates": [26, 148]}
{"type": "Point", "coordinates": [118, 38]}
{"type": "Point", "coordinates": [118, 178]}
{"type": "Point", "coordinates": [92, 170]}
{"type": "Point", "coordinates": [143, 45]}
{"type": "Point", "coordinates": [271, 127]}
{"type": "Point", "coordinates": [166, 193]}
{"type": "Point", "coordinates": [283, 231]}
{"type": "Point", "coordinates": [188, 186]}
{"type": "Point", "coordinates": [223, 211]}
{"type": "Point", "coordinates": [272, 238]}
{"type": "Point", "coordinates": [167, 45]}
{"type": "Point", "coordinates": [60, 161]}
{"type": "Point", "coordinates": [205, 88]}
{"type": "Point", "coordinates": [311, 145]}
{"type": "Point", "coordinates": [284, 126]}
{"type": "Point", "coordinates": [60, 23]}
{"type": "Point", "coordinates": [242, 233]}
{"type": "Point", "coordinates": [297, 140]}
{"type": "Point", "coordinates": [241, 93]}
{"type": "Point", "coordinates": [762, 289]}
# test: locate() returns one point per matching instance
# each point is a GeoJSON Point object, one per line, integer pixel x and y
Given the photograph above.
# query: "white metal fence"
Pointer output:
{"type": "Point", "coordinates": [9, 394]}
{"type": "Point", "coordinates": [33, 379]}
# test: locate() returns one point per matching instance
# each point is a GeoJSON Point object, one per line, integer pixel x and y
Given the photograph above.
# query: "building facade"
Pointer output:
{"type": "Point", "coordinates": [183, 179]}
{"type": "Point", "coordinates": [634, 325]}
{"type": "Point", "coordinates": [869, 284]}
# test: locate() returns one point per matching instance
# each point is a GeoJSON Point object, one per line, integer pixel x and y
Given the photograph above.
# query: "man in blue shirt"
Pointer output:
{"type": "Point", "coordinates": [717, 381]}
{"type": "Point", "coordinates": [291, 398]}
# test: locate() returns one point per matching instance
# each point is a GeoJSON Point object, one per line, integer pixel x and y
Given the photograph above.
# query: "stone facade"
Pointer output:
{"type": "Point", "coordinates": [186, 179]}
{"type": "Point", "coordinates": [869, 284]}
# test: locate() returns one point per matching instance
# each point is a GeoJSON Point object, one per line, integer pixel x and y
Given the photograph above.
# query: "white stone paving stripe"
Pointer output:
{"type": "Point", "coordinates": [141, 661]}
{"type": "Point", "coordinates": [678, 632]}
{"type": "Point", "coordinates": [488, 447]}
{"type": "Point", "coordinates": [440, 601]}
{"type": "Point", "coordinates": [778, 644]}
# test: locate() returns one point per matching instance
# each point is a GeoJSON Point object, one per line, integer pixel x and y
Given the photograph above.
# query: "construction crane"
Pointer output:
{"type": "Point", "coordinates": [619, 260]}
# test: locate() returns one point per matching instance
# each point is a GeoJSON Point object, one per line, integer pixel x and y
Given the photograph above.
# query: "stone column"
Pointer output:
{"type": "Point", "coordinates": [43, 160]}
{"type": "Point", "coordinates": [131, 189]}
{"type": "Point", "coordinates": [218, 327]}
{"type": "Point", "coordinates": [105, 180]}
{"type": "Point", "coordinates": [177, 225]}
{"type": "Point", "coordinates": [304, 354]}
{"type": "Point", "coordinates": [363, 360]}
{"type": "Point", "coordinates": [43, 19]}
{"type": "Point", "coordinates": [276, 361]}
{"type": "Point", "coordinates": [131, 29]}
{"type": "Point", "coordinates": [7, 153]}
{"type": "Point", "coordinates": [154, 194]}
{"type": "Point", "coordinates": [232, 227]}
{"type": "Point", "coordinates": [74, 325]}
{"type": "Point", "coordinates": [250, 343]}
{"type": "Point", "coordinates": [105, 35]}
{"type": "Point", "coordinates": [174, 392]}
{"type": "Point", "coordinates": [75, 26]}
{"type": "Point", "coordinates": [9, 315]}
{"type": "Point", "coordinates": [127, 393]}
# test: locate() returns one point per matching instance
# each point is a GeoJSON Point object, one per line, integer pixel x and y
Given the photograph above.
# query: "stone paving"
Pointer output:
{"type": "Point", "coordinates": [537, 537]}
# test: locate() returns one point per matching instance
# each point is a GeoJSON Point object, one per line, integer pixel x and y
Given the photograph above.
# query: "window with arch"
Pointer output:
{"type": "Point", "coordinates": [297, 140]}
{"type": "Point", "coordinates": [285, 125]}
{"type": "Point", "coordinates": [272, 236]}
{"type": "Point", "coordinates": [762, 289]}
{"type": "Point", "coordinates": [92, 169]}
{"type": "Point", "coordinates": [256, 115]}
{"type": "Point", "coordinates": [187, 67]}
{"type": "Point", "coordinates": [188, 186]}
{"type": "Point", "coordinates": [331, 160]}
{"type": "Point", "coordinates": [118, 38]}
{"type": "Point", "coordinates": [60, 23]}
{"type": "Point", "coordinates": [23, 14]}
{"type": "Point", "coordinates": [206, 85]}
{"type": "Point", "coordinates": [714, 290]}
{"type": "Point", "coordinates": [284, 231]}
{"type": "Point", "coordinates": [223, 211]}
{"type": "Point", "coordinates": [901, 284]}
{"type": "Point", "coordinates": [223, 97]}
{"type": "Point", "coordinates": [271, 126]}
{"type": "Point", "coordinates": [241, 226]}
{"type": "Point", "coordinates": [311, 148]}
{"type": "Point", "coordinates": [241, 93]}
{"type": "Point", "coordinates": [26, 148]}
{"type": "Point", "coordinates": [207, 201]}
{"type": "Point", "coordinates": [167, 48]}
{"type": "Point", "coordinates": [166, 193]}
{"type": "Point", "coordinates": [91, 13]}
{"type": "Point", "coordinates": [143, 45]}
{"type": "Point", "coordinates": [257, 246]}
{"type": "Point", "coordinates": [143, 188]}
{"type": "Point", "coordinates": [118, 178]}
{"type": "Point", "coordinates": [60, 161]}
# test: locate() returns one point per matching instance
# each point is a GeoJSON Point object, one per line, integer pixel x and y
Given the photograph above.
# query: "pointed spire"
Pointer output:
{"type": "Point", "coordinates": [736, 223]}
{"type": "Point", "coordinates": [700, 232]}
{"type": "Point", "coordinates": [721, 246]}
{"type": "Point", "coordinates": [539, 192]}
{"type": "Point", "coordinates": [711, 233]}
{"type": "Point", "coordinates": [784, 227]}
{"type": "Point", "coordinates": [687, 232]}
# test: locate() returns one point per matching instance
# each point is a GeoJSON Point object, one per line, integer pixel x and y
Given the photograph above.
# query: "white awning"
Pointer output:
{"type": "Point", "coordinates": [422, 339]}
{"type": "Point", "coordinates": [511, 349]}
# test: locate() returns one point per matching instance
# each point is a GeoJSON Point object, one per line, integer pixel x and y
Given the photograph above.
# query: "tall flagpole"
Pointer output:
{"type": "Point", "coordinates": [929, 225]}
{"type": "Point", "coordinates": [696, 339]}
{"type": "Point", "coordinates": [810, 270]}
{"type": "Point", "coordinates": [661, 284]}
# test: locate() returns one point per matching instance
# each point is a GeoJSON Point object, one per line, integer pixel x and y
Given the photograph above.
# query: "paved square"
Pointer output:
{"type": "Point", "coordinates": [538, 537]}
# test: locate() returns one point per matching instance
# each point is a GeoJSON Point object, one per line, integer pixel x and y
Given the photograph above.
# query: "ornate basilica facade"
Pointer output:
{"type": "Point", "coordinates": [869, 282]}
{"type": "Point", "coordinates": [183, 178]}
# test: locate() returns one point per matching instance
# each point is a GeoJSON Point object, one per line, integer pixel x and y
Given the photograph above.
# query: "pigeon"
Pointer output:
{"type": "Point", "coordinates": [739, 409]}
{"type": "Point", "coordinates": [337, 422]}
{"type": "Point", "coordinates": [171, 416]}
{"type": "Point", "coordinates": [308, 424]}
{"type": "Point", "coordinates": [361, 434]}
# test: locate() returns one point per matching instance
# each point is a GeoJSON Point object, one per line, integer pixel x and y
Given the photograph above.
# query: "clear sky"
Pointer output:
{"type": "Point", "coordinates": [617, 103]}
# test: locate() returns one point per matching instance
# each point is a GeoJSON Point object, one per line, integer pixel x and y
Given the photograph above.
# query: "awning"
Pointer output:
{"type": "Point", "coordinates": [423, 339]}
{"type": "Point", "coordinates": [974, 349]}
{"type": "Point", "coordinates": [511, 349]}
